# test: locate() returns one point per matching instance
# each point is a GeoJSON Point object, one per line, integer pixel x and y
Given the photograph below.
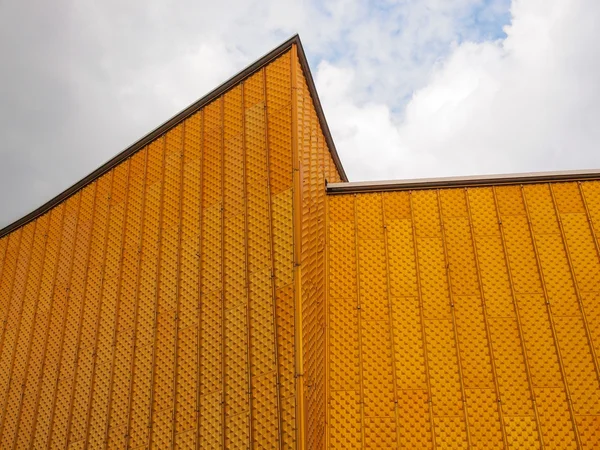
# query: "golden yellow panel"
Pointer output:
{"type": "Point", "coordinates": [315, 166]}
{"type": "Point", "coordinates": [60, 413]}
{"type": "Point", "coordinates": [463, 317]}
{"type": "Point", "coordinates": [25, 332]}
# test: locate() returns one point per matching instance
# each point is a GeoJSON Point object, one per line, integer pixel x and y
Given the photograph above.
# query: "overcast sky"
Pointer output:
{"type": "Point", "coordinates": [410, 88]}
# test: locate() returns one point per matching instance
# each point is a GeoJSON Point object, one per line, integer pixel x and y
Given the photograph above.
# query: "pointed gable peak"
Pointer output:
{"type": "Point", "coordinates": [231, 83]}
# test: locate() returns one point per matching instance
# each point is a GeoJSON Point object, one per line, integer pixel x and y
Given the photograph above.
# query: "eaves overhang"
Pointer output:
{"type": "Point", "coordinates": [468, 181]}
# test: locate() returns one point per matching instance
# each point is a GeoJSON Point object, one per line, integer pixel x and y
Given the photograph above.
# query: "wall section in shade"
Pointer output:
{"type": "Point", "coordinates": [316, 168]}
{"type": "Point", "coordinates": [464, 317]}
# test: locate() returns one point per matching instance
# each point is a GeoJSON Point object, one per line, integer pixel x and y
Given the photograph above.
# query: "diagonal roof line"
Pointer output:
{"type": "Point", "coordinates": [454, 182]}
{"type": "Point", "coordinates": [318, 108]}
{"type": "Point", "coordinates": [184, 114]}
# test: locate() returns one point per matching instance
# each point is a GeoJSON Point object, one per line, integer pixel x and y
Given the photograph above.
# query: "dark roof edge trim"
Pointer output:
{"type": "Point", "coordinates": [453, 182]}
{"type": "Point", "coordinates": [317, 103]}
{"type": "Point", "coordinates": [181, 116]}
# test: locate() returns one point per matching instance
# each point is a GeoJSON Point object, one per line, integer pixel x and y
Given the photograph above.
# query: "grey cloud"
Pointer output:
{"type": "Point", "coordinates": [83, 80]}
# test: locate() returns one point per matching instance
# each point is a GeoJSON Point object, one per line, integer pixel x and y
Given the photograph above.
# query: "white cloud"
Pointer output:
{"type": "Point", "coordinates": [410, 87]}
{"type": "Point", "coordinates": [528, 102]}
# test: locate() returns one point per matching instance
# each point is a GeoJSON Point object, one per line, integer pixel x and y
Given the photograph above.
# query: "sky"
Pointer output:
{"type": "Point", "coordinates": [410, 88]}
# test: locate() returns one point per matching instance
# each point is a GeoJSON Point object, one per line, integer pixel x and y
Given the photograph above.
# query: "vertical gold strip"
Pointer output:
{"type": "Point", "coordinates": [391, 319]}
{"type": "Point", "coordinates": [70, 400]}
{"type": "Point", "coordinates": [98, 315]}
{"type": "Point", "coordinates": [134, 240]}
{"type": "Point", "coordinates": [247, 279]}
{"type": "Point", "coordinates": [80, 322]}
{"type": "Point", "coordinates": [18, 412]}
{"type": "Point", "coordinates": [5, 250]}
{"type": "Point", "coordinates": [118, 303]}
{"type": "Point", "coordinates": [359, 325]}
{"type": "Point", "coordinates": [297, 216]}
{"type": "Point", "coordinates": [589, 218]}
{"type": "Point", "coordinates": [178, 286]}
{"type": "Point", "coordinates": [64, 321]}
{"type": "Point", "coordinates": [47, 333]}
{"type": "Point", "coordinates": [574, 278]}
{"type": "Point", "coordinates": [35, 294]}
{"type": "Point", "coordinates": [199, 310]}
{"type": "Point", "coordinates": [5, 302]}
{"type": "Point", "coordinates": [326, 306]}
{"type": "Point", "coordinates": [10, 290]}
{"type": "Point", "coordinates": [223, 313]}
{"type": "Point", "coordinates": [4, 246]}
{"type": "Point", "coordinates": [551, 318]}
{"type": "Point", "coordinates": [272, 266]}
{"type": "Point", "coordinates": [20, 315]}
{"type": "Point", "coordinates": [518, 317]}
{"type": "Point", "coordinates": [451, 296]}
{"type": "Point", "coordinates": [136, 300]}
{"type": "Point", "coordinates": [26, 379]}
{"type": "Point", "coordinates": [156, 291]}
{"type": "Point", "coordinates": [485, 321]}
{"type": "Point", "coordinates": [422, 316]}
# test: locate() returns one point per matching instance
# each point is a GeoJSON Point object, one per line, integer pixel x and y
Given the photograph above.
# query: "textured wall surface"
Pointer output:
{"type": "Point", "coordinates": [464, 318]}
{"type": "Point", "coordinates": [316, 166]}
{"type": "Point", "coordinates": [155, 307]}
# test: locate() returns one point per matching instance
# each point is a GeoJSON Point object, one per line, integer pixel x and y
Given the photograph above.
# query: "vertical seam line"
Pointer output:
{"type": "Point", "coordinates": [486, 321]}
{"type": "Point", "coordinates": [47, 333]}
{"type": "Point", "coordinates": [200, 279]}
{"type": "Point", "coordinates": [518, 319]}
{"type": "Point", "coordinates": [359, 325]}
{"type": "Point", "coordinates": [17, 332]}
{"type": "Point", "coordinates": [297, 245]}
{"type": "Point", "coordinates": [156, 291]}
{"type": "Point", "coordinates": [576, 285]}
{"type": "Point", "coordinates": [136, 300]}
{"type": "Point", "coordinates": [64, 320]}
{"type": "Point", "coordinates": [550, 317]}
{"type": "Point", "coordinates": [246, 275]}
{"type": "Point", "coordinates": [223, 325]}
{"type": "Point", "coordinates": [30, 344]}
{"type": "Point", "coordinates": [422, 318]}
{"type": "Point", "coordinates": [453, 313]}
{"type": "Point", "coordinates": [124, 229]}
{"type": "Point", "coordinates": [391, 319]}
{"type": "Point", "coordinates": [272, 264]}
{"type": "Point", "coordinates": [178, 285]}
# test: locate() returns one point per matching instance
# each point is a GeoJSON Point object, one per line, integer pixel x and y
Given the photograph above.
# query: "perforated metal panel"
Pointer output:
{"type": "Point", "coordinates": [315, 166]}
{"type": "Point", "coordinates": [156, 306]}
{"type": "Point", "coordinates": [464, 318]}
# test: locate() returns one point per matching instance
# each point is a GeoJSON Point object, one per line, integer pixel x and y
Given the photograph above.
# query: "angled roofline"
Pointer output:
{"type": "Point", "coordinates": [184, 114]}
{"type": "Point", "coordinates": [454, 182]}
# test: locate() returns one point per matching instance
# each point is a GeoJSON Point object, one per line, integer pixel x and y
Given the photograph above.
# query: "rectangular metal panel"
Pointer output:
{"type": "Point", "coordinates": [485, 299]}
{"type": "Point", "coordinates": [314, 166]}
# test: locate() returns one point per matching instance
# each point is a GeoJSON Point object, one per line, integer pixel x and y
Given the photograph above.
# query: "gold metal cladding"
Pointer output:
{"type": "Point", "coordinates": [297, 215]}
{"type": "Point", "coordinates": [488, 292]}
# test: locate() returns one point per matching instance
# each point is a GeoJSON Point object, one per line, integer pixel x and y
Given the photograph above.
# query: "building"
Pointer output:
{"type": "Point", "coordinates": [220, 284]}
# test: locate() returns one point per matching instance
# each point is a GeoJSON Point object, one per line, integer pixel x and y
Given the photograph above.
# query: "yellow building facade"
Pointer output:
{"type": "Point", "coordinates": [464, 316]}
{"type": "Point", "coordinates": [220, 284]}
